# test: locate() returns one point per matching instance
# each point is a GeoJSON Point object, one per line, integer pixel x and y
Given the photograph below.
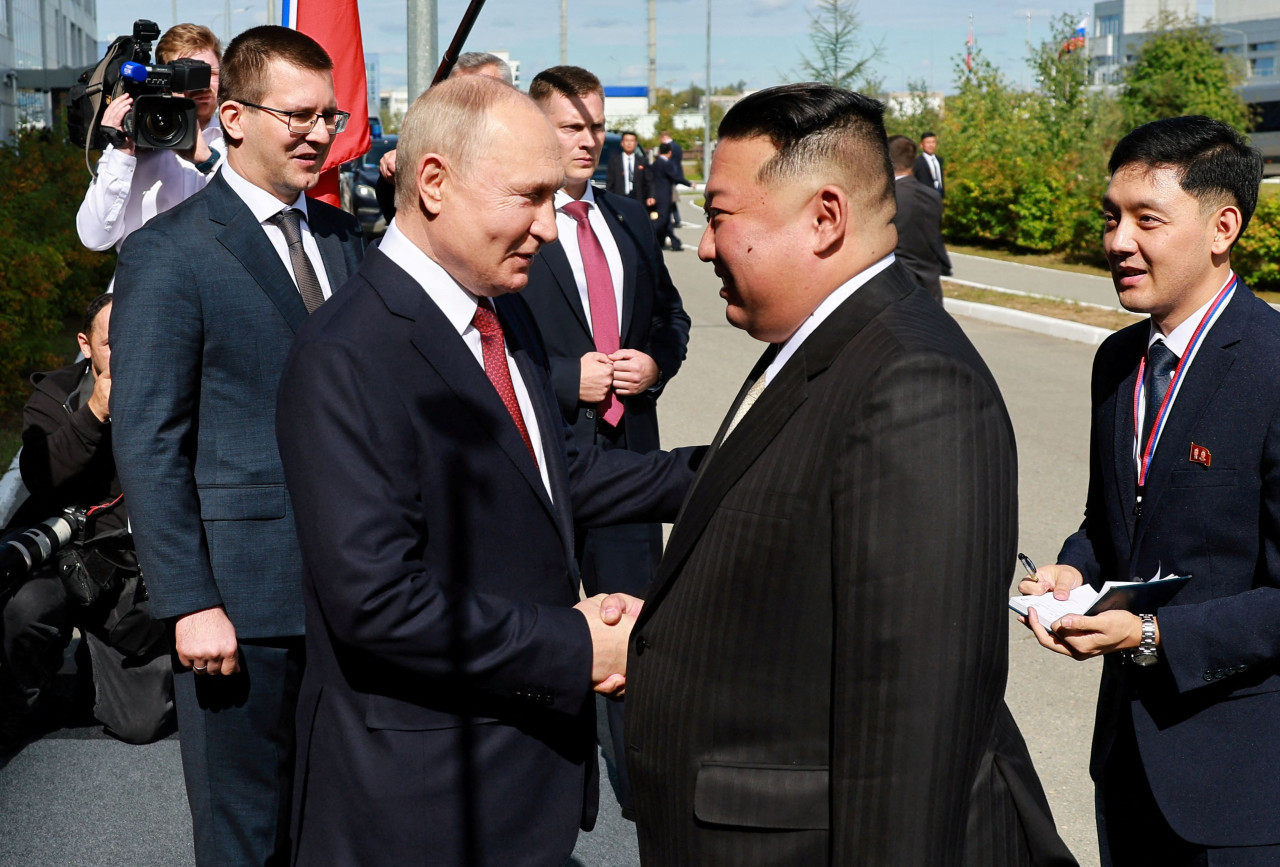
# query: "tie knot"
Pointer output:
{"type": "Point", "coordinates": [577, 210]}
{"type": "Point", "coordinates": [1162, 359]}
{"type": "Point", "coordinates": [288, 221]}
{"type": "Point", "coordinates": [486, 321]}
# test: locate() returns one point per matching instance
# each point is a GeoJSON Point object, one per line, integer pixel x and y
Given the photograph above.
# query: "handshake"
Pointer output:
{"type": "Point", "coordinates": [610, 619]}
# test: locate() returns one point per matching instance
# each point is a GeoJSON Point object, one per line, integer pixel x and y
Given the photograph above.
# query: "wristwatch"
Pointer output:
{"type": "Point", "coordinates": [1145, 653]}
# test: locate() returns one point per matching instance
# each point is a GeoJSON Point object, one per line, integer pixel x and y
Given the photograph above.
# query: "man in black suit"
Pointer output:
{"type": "Point", "coordinates": [677, 160]}
{"type": "Point", "coordinates": [817, 676]}
{"type": "Point", "coordinates": [918, 221]}
{"type": "Point", "coordinates": [447, 714]}
{"type": "Point", "coordinates": [628, 173]}
{"type": "Point", "coordinates": [928, 167]}
{"type": "Point", "coordinates": [1185, 480]}
{"type": "Point", "coordinates": [665, 178]}
{"type": "Point", "coordinates": [618, 349]}
{"type": "Point", "coordinates": [208, 296]}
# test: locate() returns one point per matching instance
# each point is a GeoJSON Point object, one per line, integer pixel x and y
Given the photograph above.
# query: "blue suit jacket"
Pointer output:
{"type": "Point", "coordinates": [203, 317]}
{"type": "Point", "coordinates": [446, 710]}
{"type": "Point", "coordinates": [1207, 714]}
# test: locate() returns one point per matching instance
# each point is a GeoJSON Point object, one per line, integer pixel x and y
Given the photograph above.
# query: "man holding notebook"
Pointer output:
{"type": "Point", "coordinates": [1184, 480]}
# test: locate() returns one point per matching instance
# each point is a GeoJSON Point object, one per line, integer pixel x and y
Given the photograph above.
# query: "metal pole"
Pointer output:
{"type": "Point", "coordinates": [653, 51]}
{"type": "Point", "coordinates": [271, 12]}
{"type": "Point", "coordinates": [564, 32]}
{"type": "Point", "coordinates": [227, 10]}
{"type": "Point", "coordinates": [175, 13]}
{"type": "Point", "coordinates": [423, 22]}
{"type": "Point", "coordinates": [706, 114]}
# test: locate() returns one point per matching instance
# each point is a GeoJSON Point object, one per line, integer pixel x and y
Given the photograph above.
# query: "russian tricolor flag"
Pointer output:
{"type": "Point", "coordinates": [335, 24]}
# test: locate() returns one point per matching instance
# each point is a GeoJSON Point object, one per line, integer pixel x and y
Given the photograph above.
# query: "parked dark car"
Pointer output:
{"type": "Point", "coordinates": [356, 187]}
{"type": "Point", "coordinates": [612, 145]}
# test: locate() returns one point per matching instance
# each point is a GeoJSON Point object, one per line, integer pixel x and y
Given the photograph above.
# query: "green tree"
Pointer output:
{"type": "Point", "coordinates": [836, 56]}
{"type": "Point", "coordinates": [1178, 71]}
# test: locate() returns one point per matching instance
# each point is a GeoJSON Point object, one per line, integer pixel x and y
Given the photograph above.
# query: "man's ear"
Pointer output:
{"type": "Point", "coordinates": [1226, 228]}
{"type": "Point", "coordinates": [432, 173]}
{"type": "Point", "coordinates": [829, 210]}
{"type": "Point", "coordinates": [83, 340]}
{"type": "Point", "coordinates": [231, 116]}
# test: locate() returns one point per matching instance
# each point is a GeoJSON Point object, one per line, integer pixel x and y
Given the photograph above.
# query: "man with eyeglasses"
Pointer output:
{"type": "Point", "coordinates": [208, 298]}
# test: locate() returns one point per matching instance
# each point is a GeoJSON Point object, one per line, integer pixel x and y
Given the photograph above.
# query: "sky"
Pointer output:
{"type": "Point", "coordinates": [760, 42]}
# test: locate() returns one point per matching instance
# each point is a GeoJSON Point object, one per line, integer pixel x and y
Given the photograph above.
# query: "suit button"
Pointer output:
{"type": "Point", "coordinates": [1208, 675]}
{"type": "Point", "coordinates": [641, 645]}
{"type": "Point", "coordinates": [591, 413]}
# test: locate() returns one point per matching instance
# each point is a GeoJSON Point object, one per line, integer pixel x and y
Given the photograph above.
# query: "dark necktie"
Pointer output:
{"type": "Point", "coordinates": [604, 304]}
{"type": "Point", "coordinates": [303, 271]}
{"type": "Point", "coordinates": [494, 348]}
{"type": "Point", "coordinates": [631, 168]}
{"type": "Point", "coordinates": [1161, 362]}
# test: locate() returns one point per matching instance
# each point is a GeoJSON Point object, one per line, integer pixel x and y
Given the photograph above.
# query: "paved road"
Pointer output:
{"type": "Point", "coordinates": [1033, 280]}
{"type": "Point", "coordinates": [76, 798]}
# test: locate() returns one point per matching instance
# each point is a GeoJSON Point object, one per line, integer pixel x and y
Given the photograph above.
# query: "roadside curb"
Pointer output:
{"type": "Point", "coordinates": [1047, 325]}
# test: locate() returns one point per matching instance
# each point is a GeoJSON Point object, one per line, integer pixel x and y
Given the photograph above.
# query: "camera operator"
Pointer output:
{"type": "Point", "coordinates": [66, 461]}
{"type": "Point", "coordinates": [134, 185]}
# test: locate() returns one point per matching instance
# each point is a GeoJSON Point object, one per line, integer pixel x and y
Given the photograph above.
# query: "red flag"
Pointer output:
{"type": "Point", "coordinates": [335, 24]}
{"type": "Point", "coordinates": [968, 49]}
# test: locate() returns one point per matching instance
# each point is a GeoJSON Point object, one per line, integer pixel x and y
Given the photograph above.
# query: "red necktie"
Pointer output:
{"type": "Point", "coordinates": [494, 348]}
{"type": "Point", "coordinates": [604, 305]}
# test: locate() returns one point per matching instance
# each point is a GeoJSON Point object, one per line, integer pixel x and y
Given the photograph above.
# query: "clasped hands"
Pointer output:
{"type": "Point", "coordinates": [627, 372]}
{"type": "Point", "coordinates": [1076, 635]}
{"type": "Point", "coordinates": [610, 618]}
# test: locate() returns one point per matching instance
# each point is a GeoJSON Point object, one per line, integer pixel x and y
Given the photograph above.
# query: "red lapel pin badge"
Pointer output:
{"type": "Point", "coordinates": [1200, 455]}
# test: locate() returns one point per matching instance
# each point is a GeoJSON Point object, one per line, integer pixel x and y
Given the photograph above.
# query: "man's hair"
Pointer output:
{"type": "Point", "coordinates": [817, 129]}
{"type": "Point", "coordinates": [91, 312]}
{"type": "Point", "coordinates": [480, 59]}
{"type": "Point", "coordinates": [902, 153]}
{"type": "Point", "coordinates": [244, 76]}
{"type": "Point", "coordinates": [664, 148]}
{"type": "Point", "coordinates": [629, 132]}
{"type": "Point", "coordinates": [1214, 163]}
{"type": "Point", "coordinates": [184, 40]}
{"type": "Point", "coordinates": [455, 119]}
{"type": "Point", "coordinates": [568, 81]}
{"type": "Point", "coordinates": [926, 135]}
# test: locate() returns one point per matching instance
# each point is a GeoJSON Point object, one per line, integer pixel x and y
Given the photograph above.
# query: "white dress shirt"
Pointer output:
{"type": "Point", "coordinates": [265, 206]}
{"type": "Point", "coordinates": [459, 307]}
{"type": "Point", "coordinates": [568, 229]}
{"type": "Point", "coordinates": [628, 170]}
{"type": "Point", "coordinates": [935, 169]}
{"type": "Point", "coordinates": [130, 190]}
{"type": "Point", "coordinates": [820, 314]}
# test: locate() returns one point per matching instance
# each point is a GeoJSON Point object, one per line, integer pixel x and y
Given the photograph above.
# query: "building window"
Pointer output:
{"type": "Point", "coordinates": [1108, 25]}
{"type": "Point", "coordinates": [1263, 66]}
{"type": "Point", "coordinates": [1263, 46]}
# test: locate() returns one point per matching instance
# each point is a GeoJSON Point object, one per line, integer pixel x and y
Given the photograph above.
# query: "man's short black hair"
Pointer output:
{"type": "Point", "coordinates": [629, 132]}
{"type": "Point", "coordinates": [1214, 162]}
{"type": "Point", "coordinates": [91, 312]}
{"type": "Point", "coordinates": [811, 124]}
{"type": "Point", "coordinates": [664, 148]}
{"type": "Point", "coordinates": [926, 135]}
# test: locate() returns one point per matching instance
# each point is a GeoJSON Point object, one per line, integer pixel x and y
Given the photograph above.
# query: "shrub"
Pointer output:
{"type": "Point", "coordinates": [1256, 256]}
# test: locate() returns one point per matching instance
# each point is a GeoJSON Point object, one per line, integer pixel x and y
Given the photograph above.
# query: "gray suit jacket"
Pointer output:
{"type": "Point", "coordinates": [817, 676]}
{"type": "Point", "coordinates": [205, 313]}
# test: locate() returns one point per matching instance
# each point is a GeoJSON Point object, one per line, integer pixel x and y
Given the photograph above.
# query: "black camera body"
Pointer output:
{"type": "Point", "coordinates": [158, 119]}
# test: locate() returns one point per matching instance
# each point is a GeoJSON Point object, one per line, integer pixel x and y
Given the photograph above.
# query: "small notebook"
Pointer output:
{"type": "Point", "coordinates": [1140, 597]}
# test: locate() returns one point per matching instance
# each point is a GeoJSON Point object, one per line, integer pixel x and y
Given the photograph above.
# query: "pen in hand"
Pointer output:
{"type": "Point", "coordinates": [1028, 565]}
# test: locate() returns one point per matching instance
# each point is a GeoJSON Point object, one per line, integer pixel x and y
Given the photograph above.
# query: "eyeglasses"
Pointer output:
{"type": "Point", "coordinates": [303, 122]}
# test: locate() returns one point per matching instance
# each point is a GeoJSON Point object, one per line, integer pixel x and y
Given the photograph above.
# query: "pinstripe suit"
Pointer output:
{"type": "Point", "coordinates": [818, 674]}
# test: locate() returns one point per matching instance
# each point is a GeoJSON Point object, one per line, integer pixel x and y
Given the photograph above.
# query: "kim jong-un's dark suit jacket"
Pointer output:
{"type": "Point", "coordinates": [818, 674]}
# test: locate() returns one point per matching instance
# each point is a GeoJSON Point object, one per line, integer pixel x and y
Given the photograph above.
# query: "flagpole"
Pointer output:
{"type": "Point", "coordinates": [459, 39]}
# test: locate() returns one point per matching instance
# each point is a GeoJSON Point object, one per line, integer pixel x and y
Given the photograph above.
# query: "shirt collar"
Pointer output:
{"type": "Point", "coordinates": [1178, 339]}
{"type": "Point", "coordinates": [456, 303]}
{"type": "Point", "coordinates": [563, 198]}
{"type": "Point", "coordinates": [263, 205]}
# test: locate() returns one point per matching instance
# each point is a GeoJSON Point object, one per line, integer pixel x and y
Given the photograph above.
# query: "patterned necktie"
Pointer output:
{"type": "Point", "coordinates": [748, 401]}
{"type": "Point", "coordinates": [631, 168]}
{"type": "Point", "coordinates": [303, 272]}
{"type": "Point", "coordinates": [494, 348]}
{"type": "Point", "coordinates": [1161, 362]}
{"type": "Point", "coordinates": [604, 304]}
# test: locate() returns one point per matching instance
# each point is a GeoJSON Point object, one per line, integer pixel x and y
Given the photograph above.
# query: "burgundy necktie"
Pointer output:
{"type": "Point", "coordinates": [494, 348]}
{"type": "Point", "coordinates": [604, 305]}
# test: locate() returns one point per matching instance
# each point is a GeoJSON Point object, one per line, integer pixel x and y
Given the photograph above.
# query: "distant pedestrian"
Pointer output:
{"type": "Point", "coordinates": [665, 177]}
{"type": "Point", "coordinates": [677, 160]}
{"type": "Point", "coordinates": [918, 220]}
{"type": "Point", "coordinates": [928, 167]}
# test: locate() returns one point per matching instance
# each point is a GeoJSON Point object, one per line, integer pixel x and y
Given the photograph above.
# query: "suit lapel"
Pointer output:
{"type": "Point", "coordinates": [557, 261]}
{"type": "Point", "coordinates": [1125, 475]}
{"type": "Point", "coordinates": [331, 252]}
{"type": "Point", "coordinates": [1204, 378]}
{"type": "Point", "coordinates": [731, 459]}
{"type": "Point", "coordinates": [244, 238]}
{"type": "Point", "coordinates": [623, 238]}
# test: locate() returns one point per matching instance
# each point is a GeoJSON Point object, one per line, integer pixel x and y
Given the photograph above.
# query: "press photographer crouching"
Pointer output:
{"type": "Point", "coordinates": [133, 184]}
{"type": "Point", "coordinates": [91, 581]}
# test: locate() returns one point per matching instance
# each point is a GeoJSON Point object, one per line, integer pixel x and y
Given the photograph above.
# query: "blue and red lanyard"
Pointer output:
{"type": "Point", "coordinates": [1162, 415]}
